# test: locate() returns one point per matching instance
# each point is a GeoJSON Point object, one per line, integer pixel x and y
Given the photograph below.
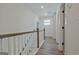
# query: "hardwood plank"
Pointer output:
{"type": "Point", "coordinates": [49, 48]}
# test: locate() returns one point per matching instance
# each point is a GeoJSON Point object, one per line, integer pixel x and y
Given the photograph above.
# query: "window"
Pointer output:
{"type": "Point", "coordinates": [46, 22]}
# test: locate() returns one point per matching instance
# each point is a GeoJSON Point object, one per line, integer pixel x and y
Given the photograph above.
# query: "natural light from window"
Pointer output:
{"type": "Point", "coordinates": [46, 22]}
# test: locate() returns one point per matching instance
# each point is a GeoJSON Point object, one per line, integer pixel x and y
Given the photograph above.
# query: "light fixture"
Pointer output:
{"type": "Point", "coordinates": [42, 6]}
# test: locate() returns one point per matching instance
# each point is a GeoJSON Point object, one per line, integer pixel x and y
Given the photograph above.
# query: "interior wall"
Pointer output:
{"type": "Point", "coordinates": [16, 18]}
{"type": "Point", "coordinates": [72, 29]}
{"type": "Point", "coordinates": [54, 26]}
{"type": "Point", "coordinates": [50, 30]}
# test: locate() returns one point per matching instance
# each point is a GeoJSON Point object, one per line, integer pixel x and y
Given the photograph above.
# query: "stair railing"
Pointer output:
{"type": "Point", "coordinates": [20, 43]}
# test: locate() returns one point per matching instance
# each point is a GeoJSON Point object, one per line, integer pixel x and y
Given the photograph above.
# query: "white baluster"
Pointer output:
{"type": "Point", "coordinates": [14, 45]}
{"type": "Point", "coordinates": [26, 44]}
{"type": "Point", "coordinates": [9, 46]}
{"type": "Point", "coordinates": [18, 45]}
{"type": "Point", "coordinates": [1, 46]}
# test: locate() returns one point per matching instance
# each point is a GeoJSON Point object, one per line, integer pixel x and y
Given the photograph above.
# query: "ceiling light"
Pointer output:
{"type": "Point", "coordinates": [42, 6]}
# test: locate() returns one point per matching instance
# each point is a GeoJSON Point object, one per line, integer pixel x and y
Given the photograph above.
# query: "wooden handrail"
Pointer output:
{"type": "Point", "coordinates": [16, 34]}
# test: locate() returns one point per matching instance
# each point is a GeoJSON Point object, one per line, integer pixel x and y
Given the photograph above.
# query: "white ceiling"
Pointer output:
{"type": "Point", "coordinates": [48, 10]}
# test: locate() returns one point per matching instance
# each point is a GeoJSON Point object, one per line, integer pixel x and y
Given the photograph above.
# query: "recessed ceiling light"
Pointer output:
{"type": "Point", "coordinates": [42, 6]}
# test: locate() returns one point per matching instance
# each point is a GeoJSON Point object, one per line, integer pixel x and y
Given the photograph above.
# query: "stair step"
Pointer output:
{"type": "Point", "coordinates": [3, 53]}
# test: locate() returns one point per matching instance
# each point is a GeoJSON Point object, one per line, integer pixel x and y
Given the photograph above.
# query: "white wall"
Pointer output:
{"type": "Point", "coordinates": [16, 18]}
{"type": "Point", "coordinates": [72, 29]}
{"type": "Point", "coordinates": [50, 30]}
{"type": "Point", "coordinates": [54, 26]}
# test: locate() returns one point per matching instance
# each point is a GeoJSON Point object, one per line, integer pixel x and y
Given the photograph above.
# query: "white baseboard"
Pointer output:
{"type": "Point", "coordinates": [36, 51]}
{"type": "Point", "coordinates": [38, 48]}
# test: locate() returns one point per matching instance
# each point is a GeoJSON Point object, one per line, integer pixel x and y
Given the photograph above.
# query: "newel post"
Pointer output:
{"type": "Point", "coordinates": [37, 37]}
{"type": "Point", "coordinates": [44, 33]}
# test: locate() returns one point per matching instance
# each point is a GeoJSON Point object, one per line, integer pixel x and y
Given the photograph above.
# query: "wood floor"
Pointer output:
{"type": "Point", "coordinates": [49, 48]}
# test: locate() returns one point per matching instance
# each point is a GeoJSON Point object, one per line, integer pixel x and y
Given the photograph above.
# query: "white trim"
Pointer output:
{"type": "Point", "coordinates": [38, 48]}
